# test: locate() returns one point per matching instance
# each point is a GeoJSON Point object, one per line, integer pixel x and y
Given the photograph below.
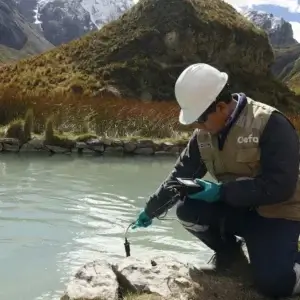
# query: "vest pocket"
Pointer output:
{"type": "Point", "coordinates": [248, 155]}
{"type": "Point", "coordinates": [248, 161]}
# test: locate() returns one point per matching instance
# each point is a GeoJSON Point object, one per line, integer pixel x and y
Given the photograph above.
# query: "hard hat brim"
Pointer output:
{"type": "Point", "coordinates": [187, 117]}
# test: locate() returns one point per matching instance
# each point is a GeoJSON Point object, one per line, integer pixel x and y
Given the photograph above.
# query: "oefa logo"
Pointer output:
{"type": "Point", "coordinates": [249, 139]}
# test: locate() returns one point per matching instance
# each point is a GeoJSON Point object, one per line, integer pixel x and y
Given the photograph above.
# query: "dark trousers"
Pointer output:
{"type": "Point", "coordinates": [272, 243]}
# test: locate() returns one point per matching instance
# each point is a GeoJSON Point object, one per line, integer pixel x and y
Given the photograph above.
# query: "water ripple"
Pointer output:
{"type": "Point", "coordinates": [58, 213]}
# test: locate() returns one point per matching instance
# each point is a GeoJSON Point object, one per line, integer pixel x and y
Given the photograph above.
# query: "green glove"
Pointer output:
{"type": "Point", "coordinates": [211, 192]}
{"type": "Point", "coordinates": [143, 220]}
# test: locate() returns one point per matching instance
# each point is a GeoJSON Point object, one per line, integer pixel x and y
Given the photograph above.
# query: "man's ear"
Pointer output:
{"type": "Point", "coordinates": [221, 106]}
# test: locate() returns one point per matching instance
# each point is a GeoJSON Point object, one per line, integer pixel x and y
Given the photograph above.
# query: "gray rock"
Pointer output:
{"type": "Point", "coordinates": [9, 141]}
{"type": "Point", "coordinates": [114, 150]}
{"type": "Point", "coordinates": [145, 144]}
{"type": "Point", "coordinates": [82, 147]}
{"type": "Point", "coordinates": [96, 145]}
{"type": "Point", "coordinates": [95, 280]}
{"type": "Point", "coordinates": [130, 146]}
{"type": "Point", "coordinates": [106, 141]}
{"type": "Point", "coordinates": [162, 276]}
{"type": "Point", "coordinates": [33, 145]}
{"type": "Point", "coordinates": [57, 149]}
{"type": "Point", "coordinates": [10, 144]}
{"type": "Point", "coordinates": [117, 143]}
{"type": "Point", "coordinates": [166, 146]}
{"type": "Point", "coordinates": [144, 151]}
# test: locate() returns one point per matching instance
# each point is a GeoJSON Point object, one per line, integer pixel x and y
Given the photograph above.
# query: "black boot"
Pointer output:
{"type": "Point", "coordinates": [229, 257]}
{"type": "Point", "coordinates": [231, 260]}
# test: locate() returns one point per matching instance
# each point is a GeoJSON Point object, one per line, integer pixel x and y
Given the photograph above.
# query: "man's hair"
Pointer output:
{"type": "Point", "coordinates": [225, 95]}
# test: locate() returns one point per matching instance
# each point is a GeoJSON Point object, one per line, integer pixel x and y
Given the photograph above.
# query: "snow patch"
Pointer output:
{"type": "Point", "coordinates": [104, 11]}
{"type": "Point", "coordinates": [101, 11]}
{"type": "Point", "coordinates": [261, 17]}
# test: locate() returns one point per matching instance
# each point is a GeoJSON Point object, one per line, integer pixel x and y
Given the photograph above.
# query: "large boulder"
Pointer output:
{"type": "Point", "coordinates": [94, 280]}
{"type": "Point", "coordinates": [144, 51]}
{"type": "Point", "coordinates": [153, 279]}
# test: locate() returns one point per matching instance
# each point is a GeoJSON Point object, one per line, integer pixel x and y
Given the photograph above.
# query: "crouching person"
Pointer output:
{"type": "Point", "coordinates": [252, 151]}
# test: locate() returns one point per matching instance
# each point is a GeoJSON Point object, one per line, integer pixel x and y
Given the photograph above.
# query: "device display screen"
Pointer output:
{"type": "Point", "coordinates": [188, 182]}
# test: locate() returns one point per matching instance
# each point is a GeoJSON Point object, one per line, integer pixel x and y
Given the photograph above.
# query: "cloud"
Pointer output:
{"type": "Point", "coordinates": [291, 5]}
{"type": "Point", "coordinates": [296, 30]}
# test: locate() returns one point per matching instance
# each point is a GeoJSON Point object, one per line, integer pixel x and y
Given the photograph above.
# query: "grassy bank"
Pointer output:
{"type": "Point", "coordinates": [101, 116]}
{"type": "Point", "coordinates": [76, 116]}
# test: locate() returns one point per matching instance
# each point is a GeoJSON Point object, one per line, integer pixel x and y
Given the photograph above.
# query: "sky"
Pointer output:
{"type": "Point", "coordinates": [287, 9]}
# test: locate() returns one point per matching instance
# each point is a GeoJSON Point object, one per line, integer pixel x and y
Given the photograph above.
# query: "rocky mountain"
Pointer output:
{"type": "Point", "coordinates": [104, 11]}
{"type": "Point", "coordinates": [141, 54]}
{"type": "Point", "coordinates": [61, 21]}
{"type": "Point", "coordinates": [18, 38]}
{"type": "Point", "coordinates": [286, 66]}
{"type": "Point", "coordinates": [280, 32]}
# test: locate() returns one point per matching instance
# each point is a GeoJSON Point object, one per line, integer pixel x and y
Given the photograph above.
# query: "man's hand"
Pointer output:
{"type": "Point", "coordinates": [143, 220]}
{"type": "Point", "coordinates": [210, 192]}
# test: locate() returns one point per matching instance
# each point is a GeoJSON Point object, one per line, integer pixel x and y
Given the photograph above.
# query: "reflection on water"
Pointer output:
{"type": "Point", "coordinates": [57, 213]}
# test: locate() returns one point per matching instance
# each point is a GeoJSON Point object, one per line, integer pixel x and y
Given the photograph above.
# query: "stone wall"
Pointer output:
{"type": "Point", "coordinates": [94, 146]}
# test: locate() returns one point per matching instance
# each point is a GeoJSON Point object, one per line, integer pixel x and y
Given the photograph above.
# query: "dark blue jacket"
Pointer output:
{"type": "Point", "coordinates": [279, 144]}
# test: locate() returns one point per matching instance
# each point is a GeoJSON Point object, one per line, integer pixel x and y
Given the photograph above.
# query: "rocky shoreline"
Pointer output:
{"type": "Point", "coordinates": [157, 278]}
{"type": "Point", "coordinates": [94, 146]}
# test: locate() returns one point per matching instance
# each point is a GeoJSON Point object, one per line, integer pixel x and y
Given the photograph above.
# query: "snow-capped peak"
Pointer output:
{"type": "Point", "coordinates": [103, 11]}
{"type": "Point", "coordinates": [263, 19]}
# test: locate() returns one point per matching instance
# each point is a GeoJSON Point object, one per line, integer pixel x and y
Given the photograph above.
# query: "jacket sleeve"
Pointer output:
{"type": "Point", "coordinates": [279, 161]}
{"type": "Point", "coordinates": [188, 165]}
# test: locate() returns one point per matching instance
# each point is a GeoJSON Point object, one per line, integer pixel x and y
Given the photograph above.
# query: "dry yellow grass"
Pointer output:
{"type": "Point", "coordinates": [100, 116]}
{"type": "Point", "coordinates": [103, 116]}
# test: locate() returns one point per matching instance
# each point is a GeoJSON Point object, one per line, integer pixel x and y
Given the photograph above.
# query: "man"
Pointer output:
{"type": "Point", "coordinates": [252, 151]}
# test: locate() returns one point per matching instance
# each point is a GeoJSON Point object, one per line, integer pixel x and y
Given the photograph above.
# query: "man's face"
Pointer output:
{"type": "Point", "coordinates": [215, 121]}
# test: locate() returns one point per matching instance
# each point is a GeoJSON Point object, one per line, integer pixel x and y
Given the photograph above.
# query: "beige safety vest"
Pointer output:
{"type": "Point", "coordinates": [240, 156]}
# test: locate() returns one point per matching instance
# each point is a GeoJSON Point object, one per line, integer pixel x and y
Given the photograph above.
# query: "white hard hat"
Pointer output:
{"type": "Point", "coordinates": [196, 89]}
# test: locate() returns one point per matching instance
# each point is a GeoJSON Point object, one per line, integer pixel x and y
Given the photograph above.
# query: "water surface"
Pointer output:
{"type": "Point", "coordinates": [59, 212]}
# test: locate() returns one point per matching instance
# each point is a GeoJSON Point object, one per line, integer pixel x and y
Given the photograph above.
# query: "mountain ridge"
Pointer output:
{"type": "Point", "coordinates": [64, 20]}
{"type": "Point", "coordinates": [18, 38]}
{"type": "Point", "coordinates": [280, 32]}
{"type": "Point", "coordinates": [141, 54]}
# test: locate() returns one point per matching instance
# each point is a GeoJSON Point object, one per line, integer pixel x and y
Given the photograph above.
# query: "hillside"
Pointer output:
{"type": "Point", "coordinates": [287, 65]}
{"type": "Point", "coordinates": [18, 38]}
{"type": "Point", "coordinates": [142, 53]}
{"type": "Point", "coordinates": [285, 58]}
